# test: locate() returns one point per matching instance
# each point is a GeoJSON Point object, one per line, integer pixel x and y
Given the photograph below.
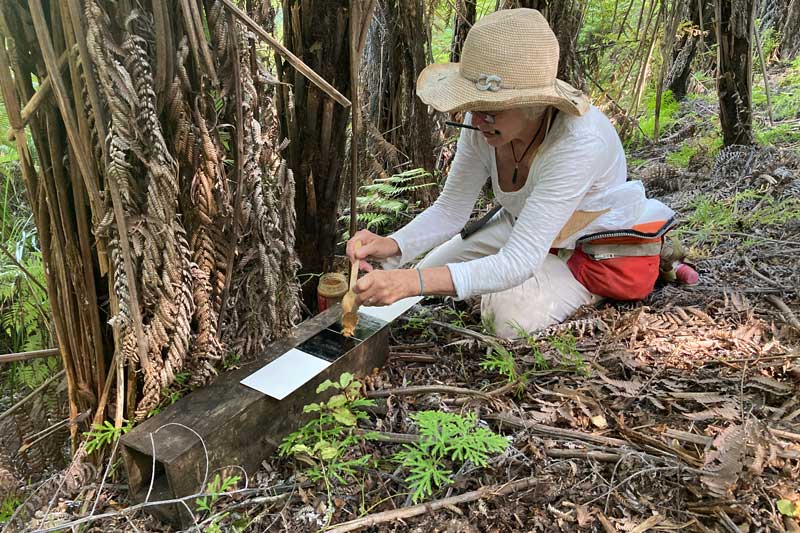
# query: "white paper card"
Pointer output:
{"type": "Point", "coordinates": [390, 312]}
{"type": "Point", "coordinates": [286, 374]}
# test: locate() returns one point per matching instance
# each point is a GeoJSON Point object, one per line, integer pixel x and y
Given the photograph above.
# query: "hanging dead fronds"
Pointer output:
{"type": "Point", "coordinates": [155, 99]}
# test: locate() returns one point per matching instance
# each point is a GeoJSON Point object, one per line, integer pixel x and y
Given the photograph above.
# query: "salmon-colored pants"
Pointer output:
{"type": "Point", "coordinates": [546, 298]}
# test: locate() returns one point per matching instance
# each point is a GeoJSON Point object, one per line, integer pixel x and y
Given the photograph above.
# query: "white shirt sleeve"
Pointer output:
{"type": "Point", "coordinates": [451, 210]}
{"type": "Point", "coordinates": [563, 177]}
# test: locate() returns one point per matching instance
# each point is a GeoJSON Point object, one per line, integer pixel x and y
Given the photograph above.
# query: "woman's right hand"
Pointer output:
{"type": "Point", "coordinates": [372, 247]}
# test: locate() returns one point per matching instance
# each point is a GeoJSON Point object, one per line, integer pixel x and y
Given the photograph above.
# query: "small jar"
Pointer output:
{"type": "Point", "coordinates": [331, 289]}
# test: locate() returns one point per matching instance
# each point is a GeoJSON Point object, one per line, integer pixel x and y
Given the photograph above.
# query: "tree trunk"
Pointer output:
{"type": "Point", "coordinates": [565, 18]}
{"type": "Point", "coordinates": [687, 47]}
{"type": "Point", "coordinates": [399, 123]}
{"type": "Point", "coordinates": [735, 22]}
{"type": "Point", "coordinates": [316, 126]}
{"type": "Point", "coordinates": [463, 20]}
{"type": "Point", "coordinates": [790, 45]}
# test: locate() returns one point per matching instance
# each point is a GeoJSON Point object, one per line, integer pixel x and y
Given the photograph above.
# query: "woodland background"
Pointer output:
{"type": "Point", "coordinates": [172, 189]}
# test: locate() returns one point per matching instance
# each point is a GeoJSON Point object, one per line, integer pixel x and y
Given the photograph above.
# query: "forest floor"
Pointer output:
{"type": "Point", "coordinates": [678, 412]}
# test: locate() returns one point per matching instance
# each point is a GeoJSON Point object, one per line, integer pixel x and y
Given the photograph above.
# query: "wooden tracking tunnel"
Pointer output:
{"type": "Point", "coordinates": [232, 424]}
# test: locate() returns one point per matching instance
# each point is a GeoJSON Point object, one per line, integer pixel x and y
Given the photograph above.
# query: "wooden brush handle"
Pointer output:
{"type": "Point", "coordinates": [354, 267]}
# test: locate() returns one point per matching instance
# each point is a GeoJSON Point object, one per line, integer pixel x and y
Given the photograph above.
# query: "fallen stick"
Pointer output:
{"type": "Point", "coordinates": [413, 357]}
{"type": "Point", "coordinates": [422, 508]}
{"type": "Point", "coordinates": [554, 431]}
{"type": "Point", "coordinates": [427, 389]}
{"type": "Point", "coordinates": [791, 318]}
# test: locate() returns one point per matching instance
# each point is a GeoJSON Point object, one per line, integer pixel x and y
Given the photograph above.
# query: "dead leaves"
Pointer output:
{"type": "Point", "coordinates": [724, 462]}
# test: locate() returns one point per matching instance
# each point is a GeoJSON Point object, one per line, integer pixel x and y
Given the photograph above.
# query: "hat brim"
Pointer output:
{"type": "Point", "coordinates": [441, 86]}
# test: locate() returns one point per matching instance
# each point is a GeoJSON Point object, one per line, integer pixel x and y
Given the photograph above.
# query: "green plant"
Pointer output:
{"type": "Point", "coordinates": [788, 508]}
{"type": "Point", "coordinates": [7, 508]}
{"type": "Point", "coordinates": [539, 362]}
{"type": "Point", "coordinates": [383, 201]}
{"type": "Point", "coordinates": [33, 373]}
{"type": "Point", "coordinates": [445, 440]}
{"type": "Point", "coordinates": [24, 306]}
{"type": "Point", "coordinates": [214, 489]}
{"type": "Point", "coordinates": [711, 218]}
{"type": "Point", "coordinates": [456, 317]}
{"type": "Point", "coordinates": [231, 361]}
{"type": "Point", "coordinates": [682, 156]}
{"type": "Point", "coordinates": [105, 433]}
{"type": "Point", "coordinates": [501, 360]}
{"type": "Point", "coordinates": [567, 345]}
{"type": "Point", "coordinates": [325, 442]}
{"type": "Point", "coordinates": [419, 321]}
{"type": "Point", "coordinates": [668, 113]}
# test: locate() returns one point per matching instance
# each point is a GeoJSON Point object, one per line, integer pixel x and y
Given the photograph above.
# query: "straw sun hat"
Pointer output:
{"type": "Point", "coordinates": [509, 59]}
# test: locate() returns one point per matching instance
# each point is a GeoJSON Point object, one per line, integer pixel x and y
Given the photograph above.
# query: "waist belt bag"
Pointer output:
{"type": "Point", "coordinates": [620, 264]}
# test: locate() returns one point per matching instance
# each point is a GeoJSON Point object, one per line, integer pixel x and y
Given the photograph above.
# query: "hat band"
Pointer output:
{"type": "Point", "coordinates": [489, 82]}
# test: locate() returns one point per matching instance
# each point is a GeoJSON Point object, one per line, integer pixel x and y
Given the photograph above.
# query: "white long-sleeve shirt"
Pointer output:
{"type": "Point", "coordinates": [580, 166]}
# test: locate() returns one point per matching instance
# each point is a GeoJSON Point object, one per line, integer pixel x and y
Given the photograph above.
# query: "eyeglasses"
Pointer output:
{"type": "Point", "coordinates": [489, 118]}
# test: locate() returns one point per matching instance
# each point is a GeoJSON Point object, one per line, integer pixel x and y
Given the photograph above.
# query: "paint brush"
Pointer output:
{"type": "Point", "coordinates": [349, 307]}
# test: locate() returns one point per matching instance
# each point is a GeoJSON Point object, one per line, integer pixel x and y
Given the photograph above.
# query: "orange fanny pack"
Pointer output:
{"type": "Point", "coordinates": [620, 264]}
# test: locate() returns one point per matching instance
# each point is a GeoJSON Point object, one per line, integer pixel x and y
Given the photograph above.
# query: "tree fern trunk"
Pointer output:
{"type": "Point", "coordinates": [318, 33]}
{"type": "Point", "coordinates": [735, 22]}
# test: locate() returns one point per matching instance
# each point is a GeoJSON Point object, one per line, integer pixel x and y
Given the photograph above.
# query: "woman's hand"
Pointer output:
{"type": "Point", "coordinates": [384, 287]}
{"type": "Point", "coordinates": [372, 247]}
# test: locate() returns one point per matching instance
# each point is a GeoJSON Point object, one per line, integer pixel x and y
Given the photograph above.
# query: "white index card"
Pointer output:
{"type": "Point", "coordinates": [286, 374]}
{"type": "Point", "coordinates": [390, 312]}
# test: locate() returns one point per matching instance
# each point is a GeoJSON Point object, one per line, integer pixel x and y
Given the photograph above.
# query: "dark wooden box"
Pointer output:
{"type": "Point", "coordinates": [238, 425]}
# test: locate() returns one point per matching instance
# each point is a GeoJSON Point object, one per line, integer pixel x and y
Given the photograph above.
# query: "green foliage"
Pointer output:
{"type": "Point", "coordinates": [24, 306]}
{"type": "Point", "coordinates": [456, 317]}
{"type": "Point", "coordinates": [7, 508]}
{"type": "Point", "coordinates": [105, 433]}
{"type": "Point", "coordinates": [325, 443]}
{"type": "Point", "coordinates": [501, 360]}
{"type": "Point", "coordinates": [680, 157]}
{"type": "Point", "coordinates": [232, 361]}
{"type": "Point", "coordinates": [33, 373]}
{"type": "Point", "coordinates": [418, 321]}
{"type": "Point", "coordinates": [539, 362]}
{"type": "Point", "coordinates": [788, 508]}
{"type": "Point", "coordinates": [174, 392]}
{"type": "Point", "coordinates": [215, 488]}
{"type": "Point", "coordinates": [668, 114]}
{"type": "Point", "coordinates": [384, 199]}
{"type": "Point", "coordinates": [712, 218]}
{"type": "Point", "coordinates": [567, 345]}
{"type": "Point", "coordinates": [446, 440]}
{"type": "Point", "coordinates": [785, 133]}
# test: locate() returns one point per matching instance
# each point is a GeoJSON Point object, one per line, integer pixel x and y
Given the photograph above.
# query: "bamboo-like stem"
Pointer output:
{"type": "Point", "coordinates": [293, 60]}
{"type": "Point", "coordinates": [355, 33]}
{"type": "Point", "coordinates": [31, 182]}
{"type": "Point", "coordinates": [88, 302]}
{"type": "Point", "coordinates": [203, 43]}
{"type": "Point", "coordinates": [38, 97]}
{"type": "Point", "coordinates": [59, 89]}
{"type": "Point", "coordinates": [27, 356]}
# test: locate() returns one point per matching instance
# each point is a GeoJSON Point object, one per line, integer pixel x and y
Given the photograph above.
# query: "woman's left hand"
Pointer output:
{"type": "Point", "coordinates": [384, 287]}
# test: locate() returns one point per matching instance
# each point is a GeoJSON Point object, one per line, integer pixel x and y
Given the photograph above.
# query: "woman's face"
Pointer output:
{"type": "Point", "coordinates": [500, 127]}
